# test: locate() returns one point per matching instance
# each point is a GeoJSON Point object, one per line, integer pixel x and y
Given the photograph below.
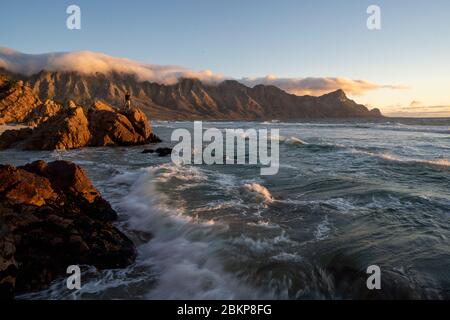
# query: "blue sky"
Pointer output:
{"type": "Point", "coordinates": [242, 38]}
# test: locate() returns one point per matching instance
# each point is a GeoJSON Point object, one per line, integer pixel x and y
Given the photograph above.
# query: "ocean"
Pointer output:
{"type": "Point", "coordinates": [348, 195]}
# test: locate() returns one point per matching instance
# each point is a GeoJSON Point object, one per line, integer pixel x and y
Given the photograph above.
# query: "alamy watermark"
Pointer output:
{"type": "Point", "coordinates": [73, 21]}
{"type": "Point", "coordinates": [374, 19]}
{"type": "Point", "coordinates": [73, 282]}
{"type": "Point", "coordinates": [236, 146]}
{"type": "Point", "coordinates": [374, 280]}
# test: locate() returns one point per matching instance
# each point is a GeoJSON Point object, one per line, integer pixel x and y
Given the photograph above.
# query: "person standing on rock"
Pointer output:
{"type": "Point", "coordinates": [128, 100]}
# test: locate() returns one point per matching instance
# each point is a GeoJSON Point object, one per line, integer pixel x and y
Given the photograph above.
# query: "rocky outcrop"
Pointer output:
{"type": "Point", "coordinates": [42, 113]}
{"type": "Point", "coordinates": [76, 127]}
{"type": "Point", "coordinates": [67, 130]}
{"type": "Point", "coordinates": [110, 128]}
{"type": "Point", "coordinates": [19, 104]}
{"type": "Point", "coordinates": [51, 216]}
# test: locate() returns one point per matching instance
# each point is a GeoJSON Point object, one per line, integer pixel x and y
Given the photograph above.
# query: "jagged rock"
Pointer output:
{"type": "Point", "coordinates": [72, 180]}
{"type": "Point", "coordinates": [16, 101]}
{"type": "Point", "coordinates": [76, 127]}
{"type": "Point", "coordinates": [19, 104]}
{"type": "Point", "coordinates": [99, 105]}
{"type": "Point", "coordinates": [51, 216]}
{"type": "Point", "coordinates": [109, 128]}
{"type": "Point", "coordinates": [42, 113]}
{"type": "Point", "coordinates": [67, 130]}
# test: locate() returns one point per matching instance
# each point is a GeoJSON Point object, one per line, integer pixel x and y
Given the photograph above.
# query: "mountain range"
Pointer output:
{"type": "Point", "coordinates": [189, 98]}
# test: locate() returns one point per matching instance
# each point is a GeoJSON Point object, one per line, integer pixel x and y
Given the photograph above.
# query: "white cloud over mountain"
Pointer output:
{"type": "Point", "coordinates": [88, 62]}
{"type": "Point", "coordinates": [318, 86]}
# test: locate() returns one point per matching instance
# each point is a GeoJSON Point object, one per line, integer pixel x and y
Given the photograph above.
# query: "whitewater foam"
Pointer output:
{"type": "Point", "coordinates": [323, 229]}
{"type": "Point", "coordinates": [263, 245]}
{"type": "Point", "coordinates": [263, 224]}
{"type": "Point", "coordinates": [259, 190]}
{"type": "Point", "coordinates": [290, 140]}
{"type": "Point", "coordinates": [395, 158]}
{"type": "Point", "coordinates": [185, 253]}
{"type": "Point", "coordinates": [287, 257]}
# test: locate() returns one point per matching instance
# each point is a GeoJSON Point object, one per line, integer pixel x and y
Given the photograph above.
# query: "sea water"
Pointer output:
{"type": "Point", "coordinates": [348, 194]}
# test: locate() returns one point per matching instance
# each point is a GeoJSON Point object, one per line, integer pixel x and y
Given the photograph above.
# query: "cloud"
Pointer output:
{"type": "Point", "coordinates": [425, 108]}
{"type": "Point", "coordinates": [319, 86]}
{"type": "Point", "coordinates": [88, 62]}
{"type": "Point", "coordinates": [415, 104]}
{"type": "Point", "coordinates": [417, 109]}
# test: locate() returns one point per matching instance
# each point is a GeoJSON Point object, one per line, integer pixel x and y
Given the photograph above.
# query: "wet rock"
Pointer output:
{"type": "Point", "coordinates": [51, 216]}
{"type": "Point", "coordinates": [162, 152]}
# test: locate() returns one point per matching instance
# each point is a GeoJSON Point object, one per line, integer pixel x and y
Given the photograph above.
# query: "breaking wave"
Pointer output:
{"type": "Point", "coordinates": [394, 158]}
{"type": "Point", "coordinates": [185, 253]}
{"type": "Point", "coordinates": [259, 190]}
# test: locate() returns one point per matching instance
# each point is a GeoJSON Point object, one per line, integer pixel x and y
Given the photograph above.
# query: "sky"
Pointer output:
{"type": "Point", "coordinates": [407, 61]}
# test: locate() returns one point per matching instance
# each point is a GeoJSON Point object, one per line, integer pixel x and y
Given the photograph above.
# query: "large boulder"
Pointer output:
{"type": "Point", "coordinates": [123, 128]}
{"type": "Point", "coordinates": [51, 217]}
{"type": "Point", "coordinates": [76, 127]}
{"type": "Point", "coordinates": [67, 130]}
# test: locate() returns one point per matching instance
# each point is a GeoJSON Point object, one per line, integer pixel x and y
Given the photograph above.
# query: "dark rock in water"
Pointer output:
{"type": "Point", "coordinates": [76, 127]}
{"type": "Point", "coordinates": [51, 216]}
{"type": "Point", "coordinates": [154, 138]}
{"type": "Point", "coordinates": [162, 152]}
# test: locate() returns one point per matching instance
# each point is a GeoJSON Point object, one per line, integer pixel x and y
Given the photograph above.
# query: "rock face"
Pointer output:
{"type": "Point", "coordinates": [109, 128]}
{"type": "Point", "coordinates": [67, 130]}
{"type": "Point", "coordinates": [19, 104]}
{"type": "Point", "coordinates": [190, 99]}
{"type": "Point", "coordinates": [51, 216]}
{"type": "Point", "coordinates": [75, 127]}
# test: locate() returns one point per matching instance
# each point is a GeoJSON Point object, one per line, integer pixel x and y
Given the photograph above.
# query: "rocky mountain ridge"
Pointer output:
{"type": "Point", "coordinates": [190, 99]}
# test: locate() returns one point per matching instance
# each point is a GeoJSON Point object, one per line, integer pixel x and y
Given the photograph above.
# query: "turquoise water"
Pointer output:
{"type": "Point", "coordinates": [353, 195]}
